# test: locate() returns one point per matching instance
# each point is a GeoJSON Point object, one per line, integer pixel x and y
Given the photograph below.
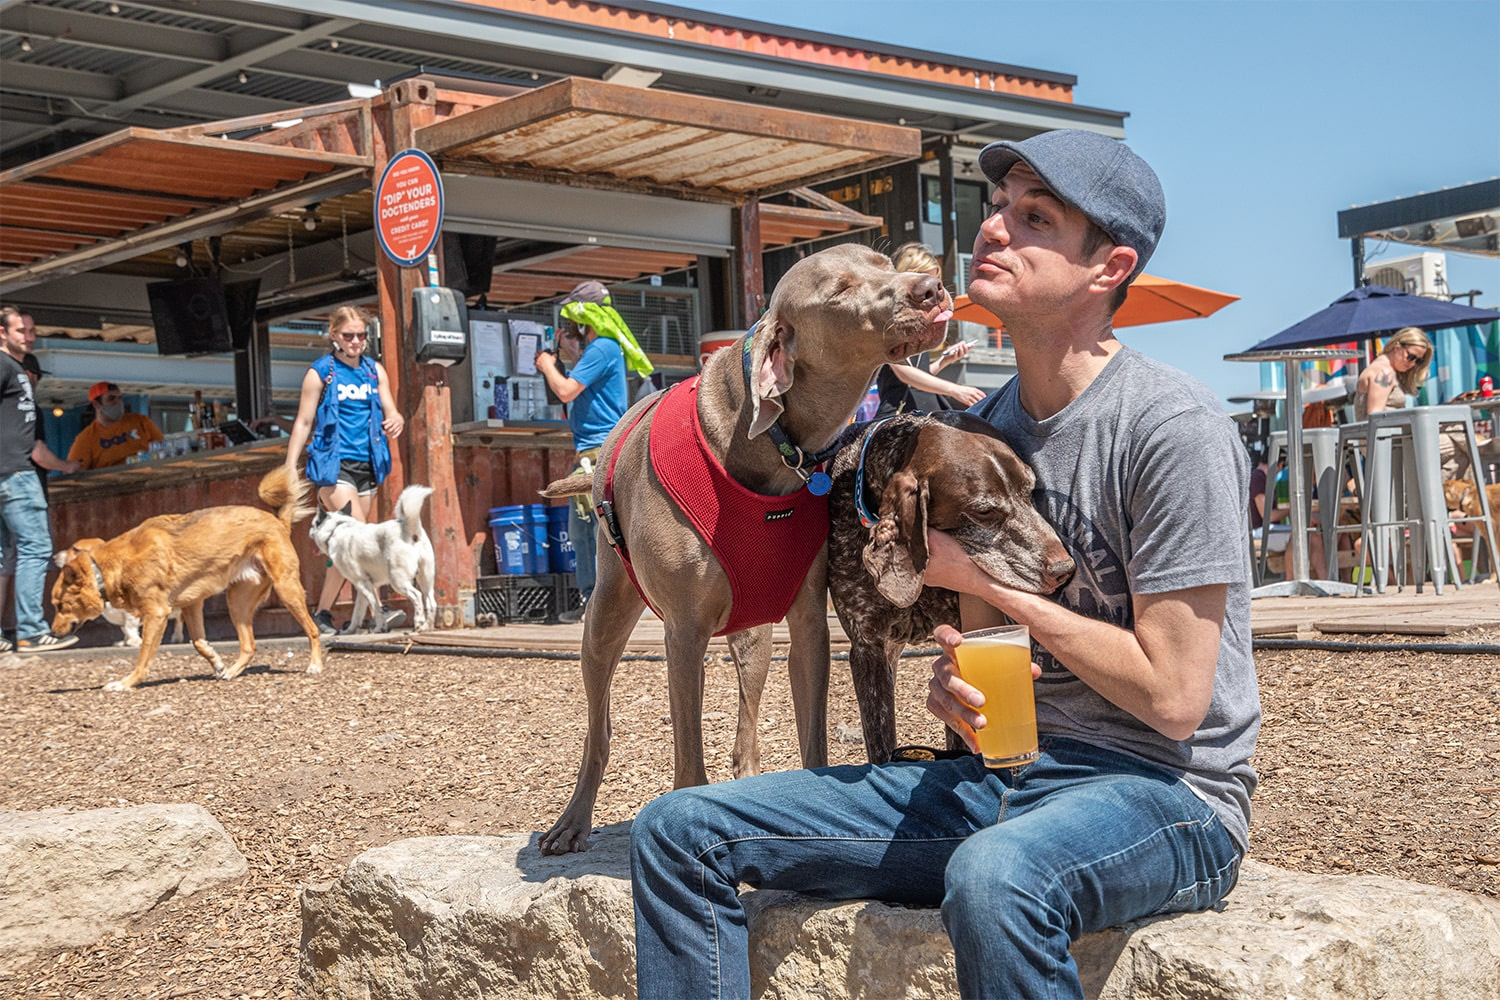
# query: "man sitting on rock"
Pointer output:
{"type": "Point", "coordinates": [1147, 706]}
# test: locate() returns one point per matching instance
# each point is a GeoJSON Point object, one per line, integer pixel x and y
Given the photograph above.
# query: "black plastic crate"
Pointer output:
{"type": "Point", "coordinates": [513, 599]}
{"type": "Point", "coordinates": [568, 596]}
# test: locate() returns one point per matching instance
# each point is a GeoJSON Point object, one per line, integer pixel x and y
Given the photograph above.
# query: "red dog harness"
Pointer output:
{"type": "Point", "coordinates": [765, 544]}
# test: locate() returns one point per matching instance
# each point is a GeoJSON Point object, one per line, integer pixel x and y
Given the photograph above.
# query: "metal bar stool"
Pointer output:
{"type": "Point", "coordinates": [1384, 481]}
{"type": "Point", "coordinates": [1320, 447]}
{"type": "Point", "coordinates": [1350, 458]}
{"type": "Point", "coordinates": [1434, 553]}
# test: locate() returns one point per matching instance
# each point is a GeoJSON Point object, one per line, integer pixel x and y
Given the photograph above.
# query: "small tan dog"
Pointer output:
{"type": "Point", "coordinates": [176, 561]}
{"type": "Point", "coordinates": [1460, 495]}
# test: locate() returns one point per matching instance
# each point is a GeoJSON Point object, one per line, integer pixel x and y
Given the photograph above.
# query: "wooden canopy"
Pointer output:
{"type": "Point", "coordinates": [664, 141]}
{"type": "Point", "coordinates": [136, 190]}
{"type": "Point", "coordinates": [129, 200]}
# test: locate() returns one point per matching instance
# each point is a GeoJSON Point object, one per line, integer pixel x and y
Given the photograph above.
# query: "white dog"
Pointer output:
{"type": "Point", "coordinates": [127, 623]}
{"type": "Point", "coordinates": [397, 553]}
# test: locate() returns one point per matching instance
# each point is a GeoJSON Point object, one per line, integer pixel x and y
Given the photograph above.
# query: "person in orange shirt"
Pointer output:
{"type": "Point", "coordinates": [114, 435]}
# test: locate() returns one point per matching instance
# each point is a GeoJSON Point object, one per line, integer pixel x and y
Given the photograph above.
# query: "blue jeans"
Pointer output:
{"type": "Point", "coordinates": [582, 536]}
{"type": "Point", "coordinates": [1022, 863]}
{"type": "Point", "coordinates": [23, 521]}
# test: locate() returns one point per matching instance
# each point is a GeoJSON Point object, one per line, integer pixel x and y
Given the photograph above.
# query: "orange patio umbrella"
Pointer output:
{"type": "Point", "coordinates": [1150, 300]}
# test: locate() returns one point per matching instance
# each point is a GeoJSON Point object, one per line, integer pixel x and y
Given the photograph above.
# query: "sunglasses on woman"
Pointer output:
{"type": "Point", "coordinates": [1415, 356]}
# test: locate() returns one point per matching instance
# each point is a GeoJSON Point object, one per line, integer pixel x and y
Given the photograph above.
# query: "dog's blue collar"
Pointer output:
{"type": "Point", "coordinates": [808, 465]}
{"type": "Point", "coordinates": [866, 519]}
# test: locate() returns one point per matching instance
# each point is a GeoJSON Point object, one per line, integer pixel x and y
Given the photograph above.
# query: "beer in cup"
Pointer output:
{"type": "Point", "coordinates": [997, 661]}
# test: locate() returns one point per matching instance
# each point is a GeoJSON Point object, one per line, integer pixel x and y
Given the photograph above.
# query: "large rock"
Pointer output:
{"type": "Point", "coordinates": [448, 918]}
{"type": "Point", "coordinates": [67, 878]}
{"type": "Point", "coordinates": [470, 917]}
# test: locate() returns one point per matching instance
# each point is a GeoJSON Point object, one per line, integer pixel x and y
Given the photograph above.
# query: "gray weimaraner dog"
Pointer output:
{"type": "Point", "coordinates": [893, 481]}
{"type": "Point", "coordinates": [767, 412]}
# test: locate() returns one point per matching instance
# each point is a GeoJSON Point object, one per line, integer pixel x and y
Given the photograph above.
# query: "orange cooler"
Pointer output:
{"type": "Point", "coordinates": [715, 340]}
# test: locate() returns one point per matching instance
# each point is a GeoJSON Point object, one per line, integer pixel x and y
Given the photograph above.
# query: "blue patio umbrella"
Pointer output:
{"type": "Point", "coordinates": [1370, 312]}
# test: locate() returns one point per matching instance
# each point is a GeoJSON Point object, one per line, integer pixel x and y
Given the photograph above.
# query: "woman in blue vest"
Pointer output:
{"type": "Point", "coordinates": [346, 418]}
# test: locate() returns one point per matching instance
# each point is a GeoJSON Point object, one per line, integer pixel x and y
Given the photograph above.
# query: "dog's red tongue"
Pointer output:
{"type": "Point", "coordinates": [937, 326]}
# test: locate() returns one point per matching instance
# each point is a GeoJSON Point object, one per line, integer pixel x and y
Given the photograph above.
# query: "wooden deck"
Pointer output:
{"type": "Point", "coordinates": [1400, 613]}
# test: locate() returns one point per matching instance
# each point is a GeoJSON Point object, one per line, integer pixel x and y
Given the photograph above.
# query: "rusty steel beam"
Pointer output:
{"type": "Point", "coordinates": [422, 392]}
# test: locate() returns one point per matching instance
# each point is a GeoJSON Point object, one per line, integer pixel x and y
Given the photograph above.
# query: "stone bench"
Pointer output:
{"type": "Point", "coordinates": [454, 918]}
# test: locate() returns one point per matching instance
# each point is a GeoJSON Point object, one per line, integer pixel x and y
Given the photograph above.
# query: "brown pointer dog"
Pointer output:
{"type": "Point", "coordinates": [833, 320]}
{"type": "Point", "coordinates": [176, 561]}
{"type": "Point", "coordinates": [950, 471]}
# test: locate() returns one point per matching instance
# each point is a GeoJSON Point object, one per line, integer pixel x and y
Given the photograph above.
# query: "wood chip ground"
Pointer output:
{"type": "Point", "coordinates": [1376, 763]}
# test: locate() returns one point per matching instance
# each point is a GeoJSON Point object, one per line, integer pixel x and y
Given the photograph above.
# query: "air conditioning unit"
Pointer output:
{"type": "Point", "coordinates": [1420, 274]}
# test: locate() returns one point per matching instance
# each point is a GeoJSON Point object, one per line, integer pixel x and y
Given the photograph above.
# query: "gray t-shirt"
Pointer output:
{"type": "Point", "coordinates": [1144, 478]}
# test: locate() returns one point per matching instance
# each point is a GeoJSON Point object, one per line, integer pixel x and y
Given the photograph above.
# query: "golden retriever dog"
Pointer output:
{"type": "Point", "coordinates": [173, 562]}
{"type": "Point", "coordinates": [766, 410]}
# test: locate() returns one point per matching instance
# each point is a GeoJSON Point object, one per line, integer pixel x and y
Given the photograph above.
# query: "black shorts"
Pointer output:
{"type": "Point", "coordinates": [358, 475]}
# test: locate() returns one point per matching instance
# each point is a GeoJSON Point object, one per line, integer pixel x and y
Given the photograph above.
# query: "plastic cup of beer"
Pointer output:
{"type": "Point", "coordinates": [997, 661]}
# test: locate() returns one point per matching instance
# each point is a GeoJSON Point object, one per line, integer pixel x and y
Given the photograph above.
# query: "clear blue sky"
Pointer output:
{"type": "Point", "coordinates": [1263, 118]}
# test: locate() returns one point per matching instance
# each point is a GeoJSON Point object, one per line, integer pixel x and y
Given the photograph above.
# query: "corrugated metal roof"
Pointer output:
{"type": "Point", "coordinates": [145, 15]}
{"type": "Point", "coordinates": [287, 89]}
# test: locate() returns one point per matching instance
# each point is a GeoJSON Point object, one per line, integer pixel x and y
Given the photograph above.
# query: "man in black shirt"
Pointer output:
{"type": "Point", "coordinates": [23, 508]}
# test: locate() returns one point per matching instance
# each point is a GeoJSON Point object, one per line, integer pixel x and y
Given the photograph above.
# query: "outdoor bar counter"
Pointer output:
{"type": "Point", "coordinates": [494, 463]}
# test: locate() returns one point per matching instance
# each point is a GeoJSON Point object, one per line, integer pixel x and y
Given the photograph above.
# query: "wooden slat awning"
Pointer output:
{"type": "Point", "coordinates": [663, 141]}
{"type": "Point", "coordinates": [784, 225]}
{"type": "Point", "coordinates": [559, 272]}
{"type": "Point", "coordinates": [107, 199]}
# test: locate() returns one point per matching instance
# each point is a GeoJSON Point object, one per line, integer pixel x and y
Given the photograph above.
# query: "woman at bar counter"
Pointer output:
{"type": "Point", "coordinates": [1400, 372]}
{"type": "Point", "coordinates": [346, 419]}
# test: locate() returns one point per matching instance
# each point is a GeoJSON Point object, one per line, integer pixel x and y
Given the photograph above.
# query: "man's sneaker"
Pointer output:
{"type": "Point", "coordinates": [6, 645]}
{"type": "Point", "coordinates": [45, 642]}
{"type": "Point", "coordinates": [570, 617]}
{"type": "Point", "coordinates": [324, 621]}
{"type": "Point", "coordinates": [392, 617]}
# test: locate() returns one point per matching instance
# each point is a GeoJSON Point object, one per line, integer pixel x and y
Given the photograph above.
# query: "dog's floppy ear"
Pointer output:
{"type": "Point", "coordinates": [80, 580]}
{"type": "Point", "coordinates": [78, 548]}
{"type": "Point", "coordinates": [896, 555]}
{"type": "Point", "coordinates": [773, 355]}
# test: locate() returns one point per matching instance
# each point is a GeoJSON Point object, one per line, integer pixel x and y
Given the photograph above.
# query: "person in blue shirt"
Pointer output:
{"type": "Point", "coordinates": [597, 346]}
{"type": "Point", "coordinates": [346, 418]}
